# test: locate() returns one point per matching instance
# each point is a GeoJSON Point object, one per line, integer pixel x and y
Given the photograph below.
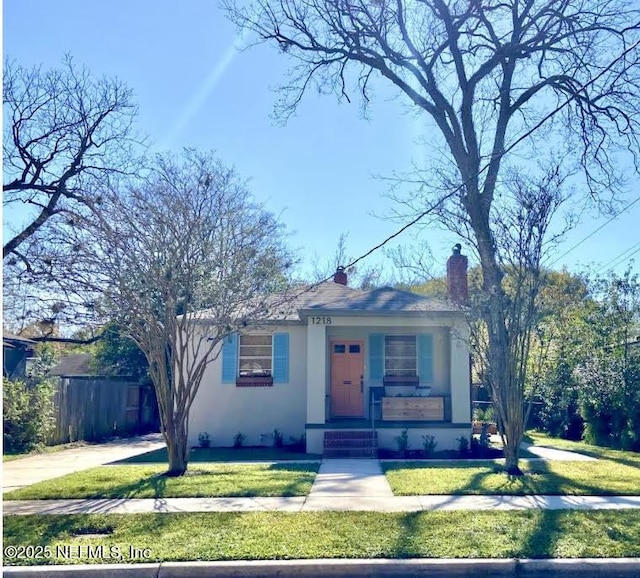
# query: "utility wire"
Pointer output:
{"type": "Point", "coordinates": [457, 189]}
{"type": "Point", "coordinates": [618, 259]}
{"type": "Point", "coordinates": [526, 135]}
{"type": "Point", "coordinates": [594, 231]}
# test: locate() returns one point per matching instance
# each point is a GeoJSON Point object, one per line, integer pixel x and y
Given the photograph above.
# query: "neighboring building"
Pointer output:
{"type": "Point", "coordinates": [342, 362]}
{"type": "Point", "coordinates": [17, 352]}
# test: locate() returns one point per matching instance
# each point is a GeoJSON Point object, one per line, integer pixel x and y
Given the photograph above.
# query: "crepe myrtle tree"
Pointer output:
{"type": "Point", "coordinates": [502, 84]}
{"type": "Point", "coordinates": [179, 262]}
{"type": "Point", "coordinates": [65, 132]}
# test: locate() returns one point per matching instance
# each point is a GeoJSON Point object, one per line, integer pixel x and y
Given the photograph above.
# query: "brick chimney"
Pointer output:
{"type": "Point", "coordinates": [457, 287]}
{"type": "Point", "coordinates": [340, 277]}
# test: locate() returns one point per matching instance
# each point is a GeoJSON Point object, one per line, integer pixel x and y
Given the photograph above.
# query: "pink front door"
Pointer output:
{"type": "Point", "coordinates": [347, 373]}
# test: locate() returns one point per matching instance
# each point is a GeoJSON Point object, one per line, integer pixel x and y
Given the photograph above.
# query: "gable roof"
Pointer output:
{"type": "Point", "coordinates": [74, 365]}
{"type": "Point", "coordinates": [385, 300]}
{"type": "Point", "coordinates": [334, 298]}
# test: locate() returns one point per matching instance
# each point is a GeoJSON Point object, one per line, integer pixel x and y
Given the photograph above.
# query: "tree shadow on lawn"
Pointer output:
{"type": "Point", "coordinates": [157, 482]}
{"type": "Point", "coordinates": [538, 479]}
{"type": "Point", "coordinates": [254, 484]}
{"type": "Point", "coordinates": [551, 483]}
{"type": "Point", "coordinates": [203, 455]}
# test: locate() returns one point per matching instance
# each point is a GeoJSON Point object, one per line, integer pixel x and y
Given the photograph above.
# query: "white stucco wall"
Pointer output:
{"type": "Point", "coordinates": [460, 374]}
{"type": "Point", "coordinates": [222, 409]}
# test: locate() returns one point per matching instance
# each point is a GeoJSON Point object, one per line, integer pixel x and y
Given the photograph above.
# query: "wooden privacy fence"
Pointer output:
{"type": "Point", "coordinates": [94, 408]}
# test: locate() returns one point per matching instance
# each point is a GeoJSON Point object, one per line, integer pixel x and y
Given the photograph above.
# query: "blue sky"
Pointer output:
{"type": "Point", "coordinates": [194, 88]}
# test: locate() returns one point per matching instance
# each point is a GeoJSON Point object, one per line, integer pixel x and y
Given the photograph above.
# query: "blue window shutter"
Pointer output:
{"type": "Point", "coordinates": [376, 356]}
{"type": "Point", "coordinates": [425, 358]}
{"type": "Point", "coordinates": [281, 358]}
{"type": "Point", "coordinates": [230, 358]}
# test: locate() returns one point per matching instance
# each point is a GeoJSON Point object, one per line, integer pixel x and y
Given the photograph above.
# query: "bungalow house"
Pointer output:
{"type": "Point", "coordinates": [348, 369]}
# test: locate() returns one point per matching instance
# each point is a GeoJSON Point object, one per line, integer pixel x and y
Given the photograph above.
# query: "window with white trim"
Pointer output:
{"type": "Point", "coordinates": [255, 357]}
{"type": "Point", "coordinates": [400, 356]}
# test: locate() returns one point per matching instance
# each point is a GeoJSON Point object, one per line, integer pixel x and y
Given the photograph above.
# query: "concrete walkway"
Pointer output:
{"type": "Point", "coordinates": [341, 485]}
{"type": "Point", "coordinates": [554, 454]}
{"type": "Point", "coordinates": [46, 466]}
{"type": "Point", "coordinates": [318, 504]}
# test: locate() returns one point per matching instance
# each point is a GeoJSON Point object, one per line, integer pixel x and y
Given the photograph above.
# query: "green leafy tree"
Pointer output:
{"type": "Point", "coordinates": [27, 405]}
{"type": "Point", "coordinates": [609, 371]}
{"type": "Point", "coordinates": [115, 353]}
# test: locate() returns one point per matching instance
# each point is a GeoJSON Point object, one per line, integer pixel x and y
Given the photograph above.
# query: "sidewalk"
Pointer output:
{"type": "Point", "coordinates": [318, 504]}
{"type": "Point", "coordinates": [37, 468]}
{"type": "Point", "coordinates": [341, 485]}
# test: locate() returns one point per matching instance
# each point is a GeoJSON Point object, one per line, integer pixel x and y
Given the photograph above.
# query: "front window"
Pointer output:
{"type": "Point", "coordinates": [400, 356]}
{"type": "Point", "coordinates": [256, 353]}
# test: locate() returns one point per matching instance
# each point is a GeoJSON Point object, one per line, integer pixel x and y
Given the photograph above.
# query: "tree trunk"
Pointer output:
{"type": "Point", "coordinates": [176, 438]}
{"type": "Point", "coordinates": [506, 392]}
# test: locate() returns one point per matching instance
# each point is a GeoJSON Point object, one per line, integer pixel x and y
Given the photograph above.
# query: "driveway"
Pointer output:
{"type": "Point", "coordinates": [26, 471]}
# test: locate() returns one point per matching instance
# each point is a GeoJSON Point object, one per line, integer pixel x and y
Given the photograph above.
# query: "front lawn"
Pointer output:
{"type": "Point", "coordinates": [541, 439]}
{"type": "Point", "coordinates": [248, 454]}
{"type": "Point", "coordinates": [201, 480]}
{"type": "Point", "coordinates": [603, 477]}
{"type": "Point", "coordinates": [100, 538]}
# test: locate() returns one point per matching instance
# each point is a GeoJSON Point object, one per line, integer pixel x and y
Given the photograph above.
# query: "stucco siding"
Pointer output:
{"type": "Point", "coordinates": [223, 409]}
{"type": "Point", "coordinates": [446, 438]}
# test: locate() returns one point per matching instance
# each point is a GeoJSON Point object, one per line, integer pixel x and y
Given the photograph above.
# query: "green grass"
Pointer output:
{"type": "Point", "coordinates": [201, 480]}
{"type": "Point", "coordinates": [279, 535]}
{"type": "Point", "coordinates": [541, 439]}
{"type": "Point", "coordinates": [200, 455]}
{"type": "Point", "coordinates": [604, 477]}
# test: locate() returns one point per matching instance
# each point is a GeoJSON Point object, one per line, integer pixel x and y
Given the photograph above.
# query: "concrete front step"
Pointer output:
{"type": "Point", "coordinates": [346, 453]}
{"type": "Point", "coordinates": [350, 444]}
{"type": "Point", "coordinates": [347, 434]}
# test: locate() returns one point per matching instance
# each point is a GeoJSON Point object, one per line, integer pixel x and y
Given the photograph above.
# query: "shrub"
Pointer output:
{"type": "Point", "coordinates": [402, 441]}
{"type": "Point", "coordinates": [429, 444]}
{"type": "Point", "coordinates": [238, 440]}
{"type": "Point", "coordinates": [298, 444]}
{"type": "Point", "coordinates": [28, 413]}
{"type": "Point", "coordinates": [203, 439]}
{"type": "Point", "coordinates": [278, 438]}
{"type": "Point", "coordinates": [463, 445]}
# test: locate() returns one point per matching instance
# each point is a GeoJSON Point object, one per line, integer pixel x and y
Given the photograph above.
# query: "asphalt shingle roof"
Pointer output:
{"type": "Point", "coordinates": [74, 365]}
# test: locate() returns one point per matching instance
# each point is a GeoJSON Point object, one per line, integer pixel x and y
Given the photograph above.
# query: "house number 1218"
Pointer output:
{"type": "Point", "coordinates": [321, 320]}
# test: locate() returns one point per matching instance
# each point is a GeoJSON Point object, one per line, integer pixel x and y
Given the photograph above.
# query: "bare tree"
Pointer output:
{"type": "Point", "coordinates": [178, 262]}
{"type": "Point", "coordinates": [487, 73]}
{"type": "Point", "coordinates": [359, 276]}
{"type": "Point", "coordinates": [65, 133]}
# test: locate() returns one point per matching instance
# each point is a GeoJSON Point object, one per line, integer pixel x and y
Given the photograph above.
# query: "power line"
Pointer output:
{"type": "Point", "coordinates": [595, 231]}
{"type": "Point", "coordinates": [618, 259]}
{"type": "Point", "coordinates": [527, 134]}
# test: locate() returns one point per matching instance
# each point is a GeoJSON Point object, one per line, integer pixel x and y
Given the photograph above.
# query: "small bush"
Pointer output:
{"type": "Point", "coordinates": [463, 445]}
{"type": "Point", "coordinates": [203, 439]}
{"type": "Point", "coordinates": [238, 440]}
{"type": "Point", "coordinates": [298, 444]}
{"type": "Point", "coordinates": [429, 444]}
{"type": "Point", "coordinates": [402, 441]}
{"type": "Point", "coordinates": [27, 414]}
{"type": "Point", "coordinates": [278, 438]}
